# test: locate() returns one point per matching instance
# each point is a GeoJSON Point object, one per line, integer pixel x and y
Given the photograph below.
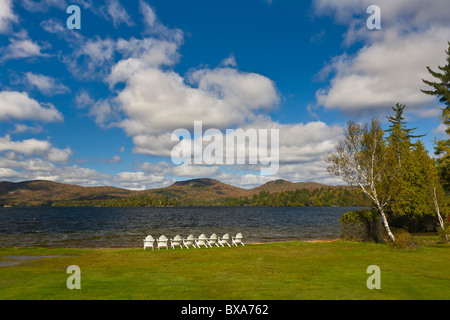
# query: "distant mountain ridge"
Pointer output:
{"type": "Point", "coordinates": [42, 192]}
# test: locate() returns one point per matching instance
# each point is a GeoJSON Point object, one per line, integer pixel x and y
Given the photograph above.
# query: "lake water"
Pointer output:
{"type": "Point", "coordinates": [91, 227]}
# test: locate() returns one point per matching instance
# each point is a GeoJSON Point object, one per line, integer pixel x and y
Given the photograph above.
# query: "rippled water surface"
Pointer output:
{"type": "Point", "coordinates": [91, 227]}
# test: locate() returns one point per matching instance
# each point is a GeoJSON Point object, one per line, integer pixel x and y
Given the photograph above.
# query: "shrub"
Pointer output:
{"type": "Point", "coordinates": [444, 234]}
{"type": "Point", "coordinates": [362, 225]}
{"type": "Point", "coordinates": [404, 240]}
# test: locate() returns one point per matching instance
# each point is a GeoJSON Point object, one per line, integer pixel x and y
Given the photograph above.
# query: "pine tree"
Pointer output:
{"type": "Point", "coordinates": [441, 90]}
{"type": "Point", "coordinates": [398, 119]}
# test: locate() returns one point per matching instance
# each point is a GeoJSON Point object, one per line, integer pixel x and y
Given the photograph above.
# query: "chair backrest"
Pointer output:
{"type": "Point", "coordinates": [202, 239]}
{"type": "Point", "coordinates": [177, 238]}
{"type": "Point", "coordinates": [239, 236]}
{"type": "Point", "coordinates": [149, 238]}
{"type": "Point", "coordinates": [226, 236]}
{"type": "Point", "coordinates": [162, 238]}
{"type": "Point", "coordinates": [191, 237]}
{"type": "Point", "coordinates": [213, 237]}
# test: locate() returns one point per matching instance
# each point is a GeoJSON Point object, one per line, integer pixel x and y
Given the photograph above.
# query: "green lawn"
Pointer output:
{"type": "Point", "coordinates": [288, 270]}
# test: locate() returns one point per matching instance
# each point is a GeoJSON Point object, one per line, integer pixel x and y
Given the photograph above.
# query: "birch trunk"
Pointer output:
{"type": "Point", "coordinates": [374, 197]}
{"type": "Point", "coordinates": [386, 225]}
{"type": "Point", "coordinates": [436, 206]}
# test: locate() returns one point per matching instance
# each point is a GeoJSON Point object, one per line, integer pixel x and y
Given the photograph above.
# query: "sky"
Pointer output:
{"type": "Point", "coordinates": [98, 105]}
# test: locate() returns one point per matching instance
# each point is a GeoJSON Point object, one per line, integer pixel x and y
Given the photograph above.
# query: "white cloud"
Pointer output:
{"type": "Point", "coordinates": [46, 84]}
{"type": "Point", "coordinates": [83, 99]}
{"type": "Point", "coordinates": [21, 128]}
{"type": "Point", "coordinates": [229, 62]}
{"type": "Point", "coordinates": [391, 64]}
{"type": "Point", "coordinates": [43, 5]}
{"type": "Point", "coordinates": [409, 13]}
{"type": "Point", "coordinates": [18, 105]}
{"type": "Point", "coordinates": [59, 155]}
{"type": "Point", "coordinates": [440, 129]}
{"type": "Point", "coordinates": [155, 27]}
{"type": "Point", "coordinates": [18, 49]}
{"type": "Point", "coordinates": [104, 112]}
{"type": "Point", "coordinates": [141, 180]}
{"type": "Point", "coordinates": [153, 100]}
{"type": "Point", "coordinates": [71, 175]}
{"type": "Point", "coordinates": [90, 58]}
{"type": "Point", "coordinates": [148, 14]}
{"type": "Point", "coordinates": [7, 16]}
{"type": "Point", "coordinates": [118, 13]}
{"type": "Point", "coordinates": [183, 170]}
{"type": "Point", "coordinates": [21, 47]}
{"type": "Point", "coordinates": [140, 54]}
{"type": "Point", "coordinates": [18, 169]}
{"type": "Point", "coordinates": [32, 147]}
{"type": "Point", "coordinates": [8, 173]}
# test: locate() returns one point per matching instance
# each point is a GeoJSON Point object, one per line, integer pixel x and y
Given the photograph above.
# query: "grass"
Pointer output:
{"type": "Point", "coordinates": [287, 270]}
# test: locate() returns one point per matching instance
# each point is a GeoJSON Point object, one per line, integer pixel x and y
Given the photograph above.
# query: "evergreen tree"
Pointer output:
{"type": "Point", "coordinates": [441, 90]}
{"type": "Point", "coordinates": [398, 119]}
{"type": "Point", "coordinates": [417, 196]}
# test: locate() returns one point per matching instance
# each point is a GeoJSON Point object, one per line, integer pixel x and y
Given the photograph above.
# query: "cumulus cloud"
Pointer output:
{"type": "Point", "coordinates": [152, 97]}
{"type": "Point", "coordinates": [149, 100]}
{"type": "Point", "coordinates": [18, 105]}
{"type": "Point", "coordinates": [406, 12]}
{"type": "Point", "coordinates": [21, 47]}
{"type": "Point", "coordinates": [34, 168]}
{"type": "Point", "coordinates": [7, 16]}
{"type": "Point", "coordinates": [391, 63]}
{"type": "Point", "coordinates": [385, 72]}
{"type": "Point", "coordinates": [32, 147]}
{"type": "Point", "coordinates": [8, 173]}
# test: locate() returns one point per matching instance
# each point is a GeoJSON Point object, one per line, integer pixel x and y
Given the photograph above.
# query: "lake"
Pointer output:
{"type": "Point", "coordinates": [93, 227]}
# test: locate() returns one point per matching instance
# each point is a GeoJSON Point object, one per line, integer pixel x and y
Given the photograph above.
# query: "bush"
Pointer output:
{"type": "Point", "coordinates": [362, 225]}
{"type": "Point", "coordinates": [444, 234]}
{"type": "Point", "coordinates": [404, 240]}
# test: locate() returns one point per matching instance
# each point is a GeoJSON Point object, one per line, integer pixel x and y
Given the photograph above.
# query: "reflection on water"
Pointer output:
{"type": "Point", "coordinates": [126, 227]}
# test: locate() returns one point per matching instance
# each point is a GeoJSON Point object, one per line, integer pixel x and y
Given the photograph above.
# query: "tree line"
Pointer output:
{"type": "Point", "coordinates": [303, 198]}
{"type": "Point", "coordinates": [297, 198]}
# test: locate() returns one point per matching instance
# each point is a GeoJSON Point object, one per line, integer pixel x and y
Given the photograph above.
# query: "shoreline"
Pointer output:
{"type": "Point", "coordinates": [141, 247]}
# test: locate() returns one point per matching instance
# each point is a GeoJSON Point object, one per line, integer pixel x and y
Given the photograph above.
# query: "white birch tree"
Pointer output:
{"type": "Point", "coordinates": [361, 159]}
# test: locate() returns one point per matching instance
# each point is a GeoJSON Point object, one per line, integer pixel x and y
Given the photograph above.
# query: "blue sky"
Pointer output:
{"type": "Point", "coordinates": [97, 106]}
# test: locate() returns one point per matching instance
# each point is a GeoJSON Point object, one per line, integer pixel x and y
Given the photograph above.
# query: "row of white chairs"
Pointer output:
{"type": "Point", "coordinates": [191, 241]}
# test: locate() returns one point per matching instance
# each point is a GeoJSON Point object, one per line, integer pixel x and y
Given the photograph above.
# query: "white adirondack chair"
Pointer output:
{"type": "Point", "coordinates": [213, 240]}
{"type": "Point", "coordinates": [238, 239]}
{"type": "Point", "coordinates": [149, 242]}
{"type": "Point", "coordinates": [189, 241]}
{"type": "Point", "coordinates": [225, 240]}
{"type": "Point", "coordinates": [202, 241]}
{"type": "Point", "coordinates": [162, 242]}
{"type": "Point", "coordinates": [176, 242]}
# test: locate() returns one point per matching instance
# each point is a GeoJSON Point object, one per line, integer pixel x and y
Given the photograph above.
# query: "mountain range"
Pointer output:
{"type": "Point", "coordinates": [203, 190]}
